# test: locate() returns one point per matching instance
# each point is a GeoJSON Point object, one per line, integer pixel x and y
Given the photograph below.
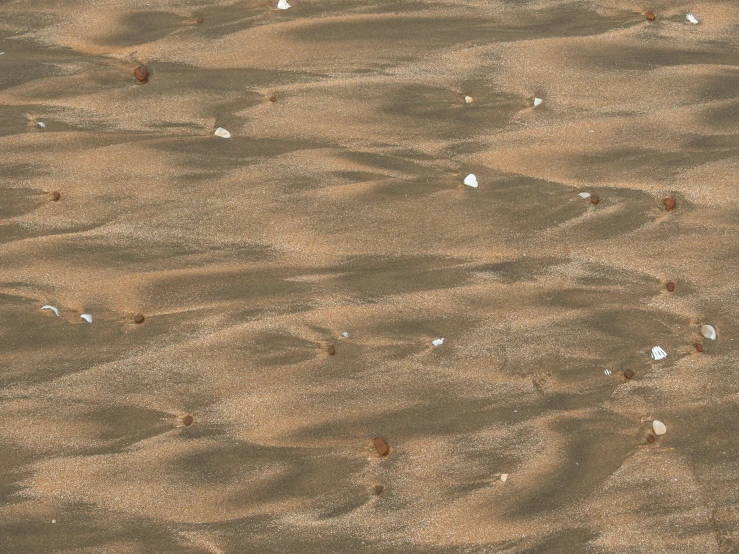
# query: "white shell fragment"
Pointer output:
{"type": "Point", "coordinates": [471, 181]}
{"type": "Point", "coordinates": [41, 124]}
{"type": "Point", "coordinates": [658, 353]}
{"type": "Point", "coordinates": [709, 332]}
{"type": "Point", "coordinates": [504, 477]}
{"type": "Point", "coordinates": [87, 317]}
{"type": "Point", "coordinates": [468, 100]}
{"type": "Point", "coordinates": [221, 132]}
{"type": "Point", "coordinates": [607, 371]}
{"type": "Point", "coordinates": [345, 335]}
{"type": "Point", "coordinates": [692, 19]}
{"type": "Point", "coordinates": [438, 342]}
{"type": "Point", "coordinates": [583, 194]}
{"type": "Point", "coordinates": [52, 308]}
{"type": "Point", "coordinates": [283, 5]}
{"type": "Point", "coordinates": [537, 101]}
{"type": "Point", "coordinates": [659, 427]}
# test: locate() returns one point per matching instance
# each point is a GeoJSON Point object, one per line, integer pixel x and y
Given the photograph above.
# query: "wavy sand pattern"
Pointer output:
{"type": "Point", "coordinates": [340, 207]}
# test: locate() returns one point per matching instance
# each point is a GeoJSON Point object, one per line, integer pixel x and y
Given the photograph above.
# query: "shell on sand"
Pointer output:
{"type": "Point", "coordinates": [537, 101]}
{"type": "Point", "coordinates": [221, 132]}
{"type": "Point", "coordinates": [709, 331]}
{"type": "Point", "coordinates": [438, 342]}
{"type": "Point", "coordinates": [471, 181]}
{"type": "Point", "coordinates": [659, 427]}
{"type": "Point", "coordinates": [52, 308]}
{"type": "Point", "coordinates": [658, 353]}
{"type": "Point", "coordinates": [87, 317]}
{"type": "Point", "coordinates": [583, 194]}
{"type": "Point", "coordinates": [504, 477]}
{"type": "Point", "coordinates": [283, 5]}
{"type": "Point", "coordinates": [468, 100]}
{"type": "Point", "coordinates": [692, 19]}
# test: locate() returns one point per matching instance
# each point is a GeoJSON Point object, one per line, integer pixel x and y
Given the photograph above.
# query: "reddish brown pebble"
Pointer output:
{"type": "Point", "coordinates": [56, 196]}
{"type": "Point", "coordinates": [671, 286]}
{"type": "Point", "coordinates": [199, 20]}
{"type": "Point", "coordinates": [141, 73]}
{"type": "Point", "coordinates": [381, 446]}
{"type": "Point", "coordinates": [594, 198]}
{"type": "Point", "coordinates": [187, 420]}
{"type": "Point", "coordinates": [331, 349]}
{"type": "Point", "coordinates": [138, 318]}
{"type": "Point", "coordinates": [650, 439]}
{"type": "Point", "coordinates": [273, 99]}
{"type": "Point", "coordinates": [669, 203]}
{"type": "Point", "coordinates": [628, 374]}
{"type": "Point", "coordinates": [699, 347]}
{"type": "Point", "coordinates": [650, 16]}
{"type": "Point", "coordinates": [379, 489]}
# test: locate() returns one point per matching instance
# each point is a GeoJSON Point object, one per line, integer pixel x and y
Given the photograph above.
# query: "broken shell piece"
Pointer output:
{"type": "Point", "coordinates": [345, 335]}
{"type": "Point", "coordinates": [709, 332]}
{"type": "Point", "coordinates": [658, 353]}
{"type": "Point", "coordinates": [468, 100]}
{"type": "Point", "coordinates": [283, 5]}
{"type": "Point", "coordinates": [692, 19]}
{"type": "Point", "coordinates": [659, 427]}
{"type": "Point", "coordinates": [537, 101]}
{"type": "Point", "coordinates": [438, 342]}
{"type": "Point", "coordinates": [41, 124]}
{"type": "Point", "coordinates": [471, 181]}
{"type": "Point", "coordinates": [87, 317]}
{"type": "Point", "coordinates": [221, 132]}
{"type": "Point", "coordinates": [504, 477]}
{"type": "Point", "coordinates": [583, 194]}
{"type": "Point", "coordinates": [52, 308]}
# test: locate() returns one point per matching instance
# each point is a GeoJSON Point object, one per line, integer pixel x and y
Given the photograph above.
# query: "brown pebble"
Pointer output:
{"type": "Point", "coordinates": [629, 374]}
{"type": "Point", "coordinates": [594, 198]}
{"type": "Point", "coordinates": [379, 489]}
{"type": "Point", "coordinates": [187, 420]}
{"type": "Point", "coordinates": [199, 20]}
{"type": "Point", "coordinates": [650, 439]}
{"type": "Point", "coordinates": [139, 318]}
{"type": "Point", "coordinates": [699, 347]}
{"type": "Point", "coordinates": [273, 99]}
{"type": "Point", "coordinates": [669, 203]}
{"type": "Point", "coordinates": [141, 73]}
{"type": "Point", "coordinates": [55, 196]}
{"type": "Point", "coordinates": [671, 286]}
{"type": "Point", "coordinates": [381, 446]}
{"type": "Point", "coordinates": [650, 16]}
{"type": "Point", "coordinates": [331, 349]}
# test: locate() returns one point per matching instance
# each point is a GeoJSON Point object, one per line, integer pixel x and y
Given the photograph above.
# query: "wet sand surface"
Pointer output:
{"type": "Point", "coordinates": [237, 417]}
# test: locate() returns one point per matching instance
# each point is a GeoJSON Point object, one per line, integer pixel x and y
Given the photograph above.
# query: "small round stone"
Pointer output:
{"type": "Point", "coordinates": [331, 349]}
{"type": "Point", "coordinates": [671, 286]}
{"type": "Point", "coordinates": [199, 20]}
{"type": "Point", "coordinates": [188, 420]}
{"type": "Point", "coordinates": [273, 99]}
{"type": "Point", "coordinates": [650, 16]}
{"type": "Point", "coordinates": [699, 347]}
{"type": "Point", "coordinates": [650, 439]}
{"type": "Point", "coordinates": [669, 203]}
{"type": "Point", "coordinates": [594, 198]}
{"type": "Point", "coordinates": [379, 489]}
{"type": "Point", "coordinates": [139, 318]}
{"type": "Point", "coordinates": [141, 73]}
{"type": "Point", "coordinates": [55, 196]}
{"type": "Point", "coordinates": [629, 374]}
{"type": "Point", "coordinates": [381, 447]}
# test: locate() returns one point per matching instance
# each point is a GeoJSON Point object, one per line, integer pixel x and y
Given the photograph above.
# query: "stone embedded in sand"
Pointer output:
{"type": "Point", "coordinates": [55, 196]}
{"type": "Point", "coordinates": [141, 73]}
{"type": "Point", "coordinates": [659, 427]}
{"type": "Point", "coordinates": [468, 100]}
{"type": "Point", "coordinates": [629, 374]}
{"type": "Point", "coordinates": [669, 203]}
{"type": "Point", "coordinates": [379, 489]}
{"type": "Point", "coordinates": [273, 99]}
{"type": "Point", "coordinates": [709, 332]}
{"type": "Point", "coordinates": [594, 199]}
{"type": "Point", "coordinates": [537, 101]}
{"type": "Point", "coordinates": [139, 318]}
{"type": "Point", "coordinates": [650, 16]}
{"type": "Point", "coordinates": [188, 420]}
{"type": "Point", "coordinates": [650, 439]}
{"type": "Point", "coordinates": [87, 317]}
{"type": "Point", "coordinates": [381, 447]}
{"type": "Point", "coordinates": [699, 347]}
{"type": "Point", "coordinates": [221, 132]}
{"type": "Point", "coordinates": [471, 181]}
{"type": "Point", "coordinates": [670, 286]}
{"type": "Point", "coordinates": [504, 477]}
{"type": "Point", "coordinates": [283, 5]}
{"type": "Point", "coordinates": [331, 349]}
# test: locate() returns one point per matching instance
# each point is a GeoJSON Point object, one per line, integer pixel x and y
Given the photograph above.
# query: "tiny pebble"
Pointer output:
{"type": "Point", "coordinates": [669, 203]}
{"type": "Point", "coordinates": [650, 16]}
{"type": "Point", "coordinates": [629, 374]}
{"type": "Point", "coordinates": [139, 318]}
{"type": "Point", "coordinates": [504, 477]}
{"type": "Point", "coordinates": [331, 349]}
{"type": "Point", "coordinates": [468, 100]}
{"type": "Point", "coordinates": [55, 196]}
{"type": "Point", "coordinates": [381, 447]}
{"type": "Point", "coordinates": [141, 73]}
{"type": "Point", "coordinates": [650, 439]}
{"type": "Point", "coordinates": [699, 347]}
{"type": "Point", "coordinates": [199, 20]}
{"type": "Point", "coordinates": [594, 198]}
{"type": "Point", "coordinates": [671, 286]}
{"type": "Point", "coordinates": [273, 99]}
{"type": "Point", "coordinates": [379, 489]}
{"type": "Point", "coordinates": [188, 420]}
{"type": "Point", "coordinates": [659, 427]}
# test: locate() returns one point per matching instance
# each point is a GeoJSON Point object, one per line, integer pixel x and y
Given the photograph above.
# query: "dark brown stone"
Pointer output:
{"type": "Point", "coordinates": [55, 196]}
{"type": "Point", "coordinates": [141, 73]}
{"type": "Point", "coordinates": [381, 446]}
{"type": "Point", "coordinates": [594, 198]}
{"type": "Point", "coordinates": [199, 20]}
{"type": "Point", "coordinates": [650, 16]}
{"type": "Point", "coordinates": [671, 286]}
{"type": "Point", "coordinates": [273, 99]}
{"type": "Point", "coordinates": [669, 203]}
{"type": "Point", "coordinates": [699, 347]}
{"type": "Point", "coordinates": [650, 439]}
{"type": "Point", "coordinates": [629, 374]}
{"type": "Point", "coordinates": [188, 420]}
{"type": "Point", "coordinates": [379, 489]}
{"type": "Point", "coordinates": [139, 318]}
{"type": "Point", "coordinates": [331, 349]}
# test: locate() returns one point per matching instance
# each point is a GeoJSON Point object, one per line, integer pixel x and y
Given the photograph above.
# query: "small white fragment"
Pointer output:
{"type": "Point", "coordinates": [283, 5]}
{"type": "Point", "coordinates": [345, 335]}
{"type": "Point", "coordinates": [438, 342]}
{"type": "Point", "coordinates": [87, 317]}
{"type": "Point", "coordinates": [709, 332]}
{"type": "Point", "coordinates": [52, 308]}
{"type": "Point", "coordinates": [221, 132]}
{"type": "Point", "coordinates": [537, 101]}
{"type": "Point", "coordinates": [583, 194]}
{"type": "Point", "coordinates": [53, 521]}
{"type": "Point", "coordinates": [659, 427]}
{"type": "Point", "coordinates": [471, 181]}
{"type": "Point", "coordinates": [692, 19]}
{"type": "Point", "coordinates": [658, 353]}
{"type": "Point", "coordinates": [607, 371]}
{"type": "Point", "coordinates": [504, 477]}
{"type": "Point", "coordinates": [41, 124]}
{"type": "Point", "coordinates": [468, 100]}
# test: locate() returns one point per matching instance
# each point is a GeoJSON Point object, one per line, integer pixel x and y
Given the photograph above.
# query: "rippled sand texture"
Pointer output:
{"type": "Point", "coordinates": [340, 207]}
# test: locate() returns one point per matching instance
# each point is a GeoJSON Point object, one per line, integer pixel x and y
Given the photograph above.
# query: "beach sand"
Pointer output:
{"type": "Point", "coordinates": [339, 207]}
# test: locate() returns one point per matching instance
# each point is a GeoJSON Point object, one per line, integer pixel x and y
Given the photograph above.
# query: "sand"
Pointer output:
{"type": "Point", "coordinates": [236, 417]}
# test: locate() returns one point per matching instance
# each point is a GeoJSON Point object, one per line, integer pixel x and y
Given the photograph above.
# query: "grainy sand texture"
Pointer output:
{"type": "Point", "coordinates": [289, 280]}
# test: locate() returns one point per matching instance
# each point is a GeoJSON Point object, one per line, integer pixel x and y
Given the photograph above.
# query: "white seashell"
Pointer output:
{"type": "Point", "coordinates": [583, 194]}
{"type": "Point", "coordinates": [438, 342]}
{"type": "Point", "coordinates": [607, 371]}
{"type": "Point", "coordinates": [468, 100]}
{"type": "Point", "coordinates": [471, 181]}
{"type": "Point", "coordinates": [658, 353]}
{"type": "Point", "coordinates": [692, 19]}
{"type": "Point", "coordinates": [52, 308]}
{"type": "Point", "coordinates": [221, 132]}
{"type": "Point", "coordinates": [504, 477]}
{"type": "Point", "coordinates": [283, 5]}
{"type": "Point", "coordinates": [41, 124]}
{"type": "Point", "coordinates": [709, 332]}
{"type": "Point", "coordinates": [345, 335]}
{"type": "Point", "coordinates": [537, 101]}
{"type": "Point", "coordinates": [87, 317]}
{"type": "Point", "coordinates": [659, 427]}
